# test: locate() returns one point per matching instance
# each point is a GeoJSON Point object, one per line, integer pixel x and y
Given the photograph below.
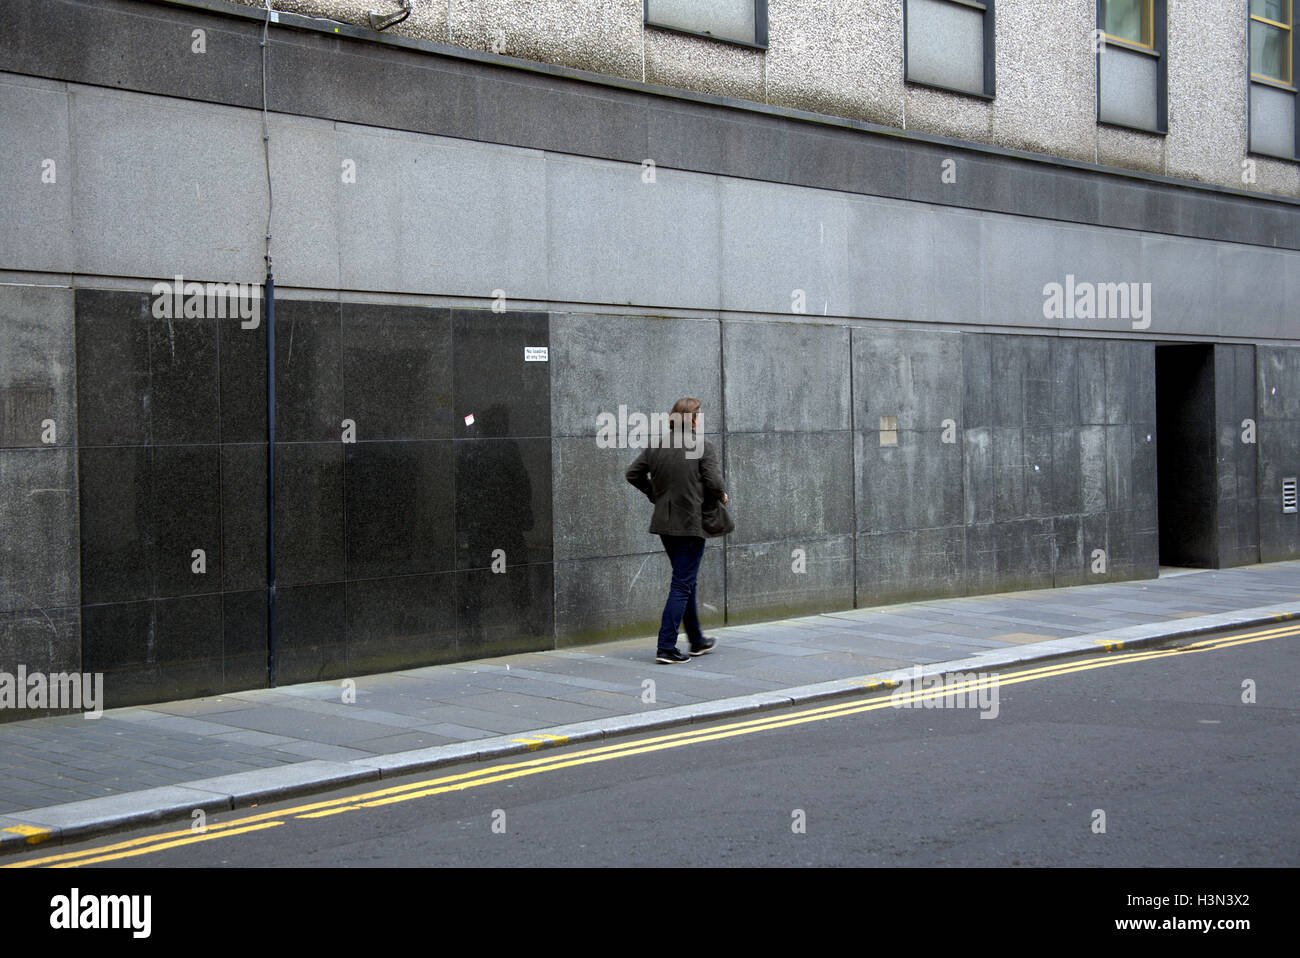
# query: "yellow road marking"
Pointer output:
{"type": "Point", "coordinates": [205, 837]}
{"type": "Point", "coordinates": [34, 835]}
{"type": "Point", "coordinates": [498, 773]}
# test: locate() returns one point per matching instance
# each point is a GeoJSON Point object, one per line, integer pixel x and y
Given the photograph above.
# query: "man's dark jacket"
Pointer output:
{"type": "Point", "coordinates": [677, 486]}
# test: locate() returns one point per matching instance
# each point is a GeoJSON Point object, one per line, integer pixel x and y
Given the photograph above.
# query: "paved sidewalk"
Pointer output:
{"type": "Point", "coordinates": [68, 777]}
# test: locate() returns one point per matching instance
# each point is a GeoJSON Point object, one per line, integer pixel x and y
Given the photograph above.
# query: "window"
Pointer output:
{"type": "Point", "coordinates": [1274, 106]}
{"type": "Point", "coordinates": [1128, 20]}
{"type": "Point", "coordinates": [949, 44]}
{"type": "Point", "coordinates": [1132, 82]}
{"type": "Point", "coordinates": [1270, 40]}
{"type": "Point", "coordinates": [736, 21]}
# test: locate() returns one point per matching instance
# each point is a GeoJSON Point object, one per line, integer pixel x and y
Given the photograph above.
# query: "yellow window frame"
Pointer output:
{"type": "Point", "coordinates": [1288, 46]}
{"type": "Point", "coordinates": [1148, 28]}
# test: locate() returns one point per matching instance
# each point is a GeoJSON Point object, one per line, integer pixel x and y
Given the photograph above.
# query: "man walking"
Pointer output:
{"type": "Point", "coordinates": [677, 483]}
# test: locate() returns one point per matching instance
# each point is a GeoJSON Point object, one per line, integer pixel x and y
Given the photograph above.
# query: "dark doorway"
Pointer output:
{"type": "Point", "coordinates": [1186, 463]}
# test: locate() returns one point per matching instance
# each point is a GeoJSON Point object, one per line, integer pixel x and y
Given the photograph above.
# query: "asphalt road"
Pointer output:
{"type": "Point", "coordinates": [1149, 758]}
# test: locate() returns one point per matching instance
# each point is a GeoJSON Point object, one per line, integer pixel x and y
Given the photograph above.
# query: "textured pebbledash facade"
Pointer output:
{"type": "Point", "coordinates": [947, 341]}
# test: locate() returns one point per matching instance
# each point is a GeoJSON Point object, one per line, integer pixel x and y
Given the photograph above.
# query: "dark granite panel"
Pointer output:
{"type": "Point", "coordinates": [1039, 381]}
{"type": "Point", "coordinates": [977, 378]}
{"type": "Point", "coordinates": [243, 381]}
{"type": "Point", "coordinates": [1119, 468]}
{"type": "Point", "coordinates": [1066, 487]}
{"type": "Point", "coordinates": [186, 507]}
{"type": "Point", "coordinates": [1120, 381]}
{"type": "Point", "coordinates": [401, 622]}
{"type": "Point", "coordinates": [822, 158]}
{"type": "Point", "coordinates": [1008, 386]}
{"type": "Point", "coordinates": [117, 529]}
{"type": "Point", "coordinates": [309, 512]}
{"type": "Point", "coordinates": [503, 501]}
{"type": "Point", "coordinates": [308, 372]}
{"type": "Point", "coordinates": [1092, 381]}
{"type": "Point", "coordinates": [914, 485]}
{"type": "Point", "coordinates": [310, 645]}
{"type": "Point", "coordinates": [1009, 473]}
{"type": "Point", "coordinates": [551, 113]}
{"type": "Point", "coordinates": [506, 395]}
{"type": "Point", "coordinates": [1063, 368]}
{"type": "Point", "coordinates": [243, 631]}
{"type": "Point", "coordinates": [400, 515]}
{"type": "Point", "coordinates": [1071, 567]}
{"type": "Point", "coordinates": [1145, 476]}
{"type": "Point", "coordinates": [685, 139]}
{"type": "Point", "coordinates": [118, 635]}
{"type": "Point", "coordinates": [93, 41]}
{"type": "Point", "coordinates": [422, 93]}
{"type": "Point", "coordinates": [911, 564]}
{"type": "Point", "coordinates": [397, 371]}
{"type": "Point", "coordinates": [183, 380]}
{"type": "Point", "coordinates": [981, 559]}
{"type": "Point", "coordinates": [785, 579]}
{"type": "Point", "coordinates": [112, 367]}
{"type": "Point", "coordinates": [1040, 472]}
{"type": "Point", "coordinates": [243, 517]}
{"type": "Point", "coordinates": [977, 475]}
{"type": "Point", "coordinates": [502, 613]}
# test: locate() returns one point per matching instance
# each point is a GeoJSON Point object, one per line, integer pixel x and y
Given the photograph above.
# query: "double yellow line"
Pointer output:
{"type": "Point", "coordinates": [512, 770]}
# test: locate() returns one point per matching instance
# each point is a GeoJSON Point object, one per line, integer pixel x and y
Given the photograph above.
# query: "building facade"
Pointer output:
{"type": "Point", "coordinates": [975, 299]}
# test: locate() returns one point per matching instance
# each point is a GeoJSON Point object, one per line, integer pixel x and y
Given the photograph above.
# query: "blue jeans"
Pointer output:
{"type": "Point", "coordinates": [685, 553]}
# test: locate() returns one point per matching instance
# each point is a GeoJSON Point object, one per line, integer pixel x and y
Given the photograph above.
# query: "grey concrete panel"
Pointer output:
{"type": "Point", "coordinates": [1186, 285]}
{"type": "Point", "coordinates": [45, 640]}
{"type": "Point", "coordinates": [307, 179]}
{"type": "Point", "coordinates": [1252, 281]}
{"type": "Point", "coordinates": [768, 580]}
{"type": "Point", "coordinates": [1121, 377]}
{"type": "Point", "coordinates": [40, 548]}
{"type": "Point", "coordinates": [434, 215]}
{"type": "Point", "coordinates": [911, 564]}
{"type": "Point", "coordinates": [787, 485]}
{"type": "Point", "coordinates": [786, 377]}
{"type": "Point", "coordinates": [915, 376]}
{"type": "Point", "coordinates": [35, 149]}
{"type": "Point", "coordinates": [785, 247]}
{"type": "Point", "coordinates": [1007, 380]}
{"type": "Point", "coordinates": [917, 484]}
{"type": "Point", "coordinates": [614, 238]}
{"type": "Point", "coordinates": [596, 511]}
{"type": "Point", "coordinates": [954, 286]}
{"type": "Point", "coordinates": [1072, 558]}
{"type": "Point", "coordinates": [37, 366]}
{"type": "Point", "coordinates": [599, 363]}
{"type": "Point", "coordinates": [624, 595]}
{"type": "Point", "coordinates": [889, 259]}
{"type": "Point", "coordinates": [198, 206]}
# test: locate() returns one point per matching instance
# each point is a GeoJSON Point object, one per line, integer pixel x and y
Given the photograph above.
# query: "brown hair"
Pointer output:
{"type": "Point", "coordinates": [683, 410]}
